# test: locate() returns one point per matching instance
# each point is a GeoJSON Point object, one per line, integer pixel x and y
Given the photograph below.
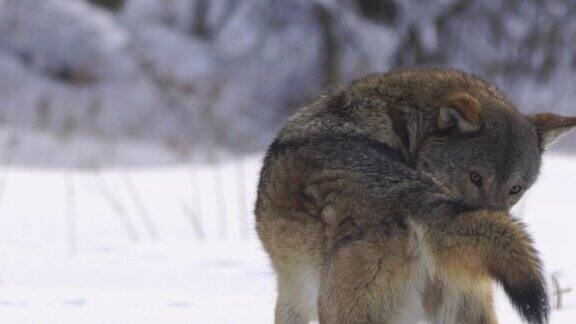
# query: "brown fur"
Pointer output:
{"type": "Point", "coordinates": [467, 106]}
{"type": "Point", "coordinates": [357, 234]}
{"type": "Point", "coordinates": [550, 127]}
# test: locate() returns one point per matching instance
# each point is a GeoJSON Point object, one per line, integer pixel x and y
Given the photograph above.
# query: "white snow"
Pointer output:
{"type": "Point", "coordinates": [76, 247]}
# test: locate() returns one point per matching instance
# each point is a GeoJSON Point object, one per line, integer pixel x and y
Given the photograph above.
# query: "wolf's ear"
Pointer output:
{"type": "Point", "coordinates": [461, 110]}
{"type": "Point", "coordinates": [551, 127]}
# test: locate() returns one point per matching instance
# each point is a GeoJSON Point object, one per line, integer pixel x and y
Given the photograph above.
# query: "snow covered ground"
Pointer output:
{"type": "Point", "coordinates": [176, 245]}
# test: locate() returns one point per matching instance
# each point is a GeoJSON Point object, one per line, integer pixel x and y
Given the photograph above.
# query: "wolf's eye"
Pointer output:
{"type": "Point", "coordinates": [516, 190]}
{"type": "Point", "coordinates": [476, 178]}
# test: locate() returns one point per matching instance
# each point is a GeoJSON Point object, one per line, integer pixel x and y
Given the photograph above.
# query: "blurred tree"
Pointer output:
{"type": "Point", "coordinates": [199, 23]}
{"type": "Point", "coordinates": [113, 5]}
{"type": "Point", "coordinates": [160, 81]}
{"type": "Point", "coordinates": [380, 11]}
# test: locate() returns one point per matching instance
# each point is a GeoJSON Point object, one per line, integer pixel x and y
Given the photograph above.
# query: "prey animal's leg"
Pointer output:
{"type": "Point", "coordinates": [370, 276]}
{"type": "Point", "coordinates": [449, 303]}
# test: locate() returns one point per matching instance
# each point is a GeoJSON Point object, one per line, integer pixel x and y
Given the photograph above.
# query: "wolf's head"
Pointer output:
{"type": "Point", "coordinates": [451, 125]}
{"type": "Point", "coordinates": [485, 151]}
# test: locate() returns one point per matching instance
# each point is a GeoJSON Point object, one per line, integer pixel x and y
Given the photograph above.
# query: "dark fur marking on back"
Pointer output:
{"type": "Point", "coordinates": [280, 146]}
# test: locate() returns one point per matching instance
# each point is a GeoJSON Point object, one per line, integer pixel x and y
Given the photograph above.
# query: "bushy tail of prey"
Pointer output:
{"type": "Point", "coordinates": [507, 253]}
{"type": "Point", "coordinates": [514, 262]}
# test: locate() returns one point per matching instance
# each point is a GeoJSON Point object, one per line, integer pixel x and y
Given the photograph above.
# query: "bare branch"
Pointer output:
{"type": "Point", "coordinates": [3, 183]}
{"type": "Point", "coordinates": [558, 291]}
{"type": "Point", "coordinates": [242, 210]}
{"type": "Point", "coordinates": [220, 199]}
{"type": "Point", "coordinates": [116, 206]}
{"type": "Point", "coordinates": [71, 216]}
{"type": "Point", "coordinates": [142, 210]}
{"type": "Point", "coordinates": [194, 220]}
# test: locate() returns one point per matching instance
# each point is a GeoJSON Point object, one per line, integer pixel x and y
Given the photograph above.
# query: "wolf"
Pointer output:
{"type": "Point", "coordinates": [388, 201]}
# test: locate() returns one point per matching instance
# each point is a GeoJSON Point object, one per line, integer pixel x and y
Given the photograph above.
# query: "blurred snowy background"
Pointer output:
{"type": "Point", "coordinates": [148, 82]}
{"type": "Point", "coordinates": [131, 133]}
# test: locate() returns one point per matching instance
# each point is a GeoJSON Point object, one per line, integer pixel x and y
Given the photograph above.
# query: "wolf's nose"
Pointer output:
{"type": "Point", "coordinates": [495, 203]}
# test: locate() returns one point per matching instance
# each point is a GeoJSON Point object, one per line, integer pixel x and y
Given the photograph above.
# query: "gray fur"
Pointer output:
{"type": "Point", "coordinates": [374, 172]}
